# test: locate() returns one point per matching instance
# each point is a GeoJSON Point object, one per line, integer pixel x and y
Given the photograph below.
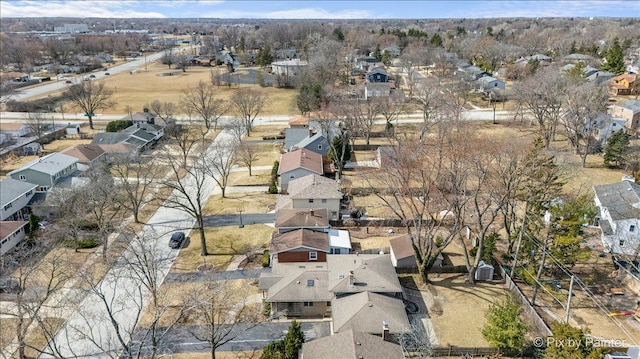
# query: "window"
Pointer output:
{"type": "Point", "coordinates": [632, 228]}
{"type": "Point", "coordinates": [28, 193]}
{"type": "Point", "coordinates": [8, 206]}
{"type": "Point", "coordinates": [310, 283]}
{"type": "Point", "coordinates": [292, 176]}
{"type": "Point", "coordinates": [313, 256]}
{"type": "Point", "coordinates": [308, 304]}
{"type": "Point", "coordinates": [324, 200]}
{"type": "Point", "coordinates": [23, 178]}
{"type": "Point", "coordinates": [320, 147]}
{"type": "Point", "coordinates": [621, 243]}
{"type": "Point", "coordinates": [310, 200]}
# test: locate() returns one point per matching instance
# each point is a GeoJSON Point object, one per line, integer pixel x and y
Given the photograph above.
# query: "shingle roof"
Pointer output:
{"type": "Point", "coordinates": [301, 158]}
{"type": "Point", "coordinates": [84, 153]}
{"type": "Point", "coordinates": [109, 138]}
{"type": "Point", "coordinates": [351, 345]}
{"type": "Point", "coordinates": [365, 311]}
{"type": "Point", "coordinates": [292, 136]}
{"type": "Point", "coordinates": [49, 164]}
{"type": "Point", "coordinates": [8, 227]}
{"type": "Point", "coordinates": [11, 126]}
{"type": "Point", "coordinates": [622, 199]}
{"type": "Point", "coordinates": [300, 238]}
{"type": "Point", "coordinates": [633, 105]}
{"type": "Point", "coordinates": [295, 217]}
{"type": "Point", "coordinates": [402, 246]}
{"type": "Point", "coordinates": [314, 186]}
{"type": "Point", "coordinates": [294, 285]}
{"type": "Point", "coordinates": [371, 272]}
{"type": "Point", "coordinates": [310, 139]}
{"type": "Point", "coordinates": [11, 189]}
{"type": "Point", "coordinates": [299, 121]}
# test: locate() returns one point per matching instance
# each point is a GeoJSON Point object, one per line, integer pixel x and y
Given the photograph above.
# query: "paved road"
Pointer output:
{"type": "Point", "coordinates": [249, 336]}
{"type": "Point", "coordinates": [89, 332]}
{"type": "Point", "coordinates": [56, 85]}
{"type": "Point", "coordinates": [234, 219]}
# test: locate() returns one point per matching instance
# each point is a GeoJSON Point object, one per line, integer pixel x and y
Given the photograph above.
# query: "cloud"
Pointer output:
{"type": "Point", "coordinates": [304, 13]}
{"type": "Point", "coordinates": [501, 9]}
{"type": "Point", "coordinates": [102, 9]}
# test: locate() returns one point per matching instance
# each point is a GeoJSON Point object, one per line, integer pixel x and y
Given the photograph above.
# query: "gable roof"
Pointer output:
{"type": "Point", "coordinates": [294, 286]}
{"type": "Point", "coordinates": [365, 312]}
{"type": "Point", "coordinates": [299, 121]}
{"type": "Point", "coordinates": [8, 227]}
{"type": "Point", "coordinates": [296, 217]}
{"type": "Point", "coordinates": [109, 138]}
{"type": "Point", "coordinates": [12, 126]}
{"type": "Point", "coordinates": [84, 153]}
{"type": "Point", "coordinates": [402, 246]}
{"type": "Point", "coordinates": [377, 70]}
{"type": "Point", "coordinates": [300, 238]}
{"type": "Point", "coordinates": [300, 158]}
{"type": "Point", "coordinates": [622, 199]}
{"type": "Point", "coordinates": [314, 186]}
{"type": "Point", "coordinates": [351, 345]}
{"type": "Point", "coordinates": [293, 136]}
{"type": "Point", "coordinates": [311, 139]}
{"type": "Point", "coordinates": [49, 164]}
{"type": "Point", "coordinates": [633, 105]}
{"type": "Point", "coordinates": [11, 189]}
{"type": "Point", "coordinates": [118, 148]}
{"type": "Point", "coordinates": [371, 272]}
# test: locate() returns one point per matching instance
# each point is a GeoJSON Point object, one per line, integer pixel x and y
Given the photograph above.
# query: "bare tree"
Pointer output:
{"type": "Point", "coordinates": [219, 312]}
{"type": "Point", "coordinates": [201, 100]}
{"type": "Point", "coordinates": [90, 96]}
{"type": "Point", "coordinates": [417, 341]}
{"type": "Point", "coordinates": [247, 104]}
{"type": "Point", "coordinates": [432, 103]}
{"type": "Point", "coordinates": [219, 159]}
{"type": "Point", "coordinates": [163, 110]}
{"type": "Point", "coordinates": [390, 108]}
{"type": "Point", "coordinates": [248, 154]}
{"type": "Point", "coordinates": [361, 114]}
{"type": "Point", "coordinates": [38, 123]}
{"type": "Point", "coordinates": [136, 176]}
{"type": "Point", "coordinates": [187, 138]}
{"type": "Point", "coordinates": [584, 103]}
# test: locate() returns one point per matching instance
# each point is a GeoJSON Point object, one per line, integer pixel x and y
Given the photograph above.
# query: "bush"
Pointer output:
{"type": "Point", "coordinates": [266, 309]}
{"type": "Point", "coordinates": [274, 170]}
{"type": "Point", "coordinates": [118, 125]}
{"type": "Point", "coordinates": [265, 258]}
{"type": "Point", "coordinates": [273, 188]}
{"type": "Point", "coordinates": [82, 243]}
{"type": "Point", "coordinates": [86, 225]}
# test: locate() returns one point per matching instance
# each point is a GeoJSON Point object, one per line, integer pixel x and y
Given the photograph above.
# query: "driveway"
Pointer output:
{"type": "Point", "coordinates": [249, 337]}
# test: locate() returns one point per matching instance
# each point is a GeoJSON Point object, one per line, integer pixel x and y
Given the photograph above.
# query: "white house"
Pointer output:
{"type": "Point", "coordinates": [487, 83]}
{"type": "Point", "coordinates": [288, 67]}
{"type": "Point", "coordinates": [619, 217]}
{"type": "Point", "coordinates": [11, 233]}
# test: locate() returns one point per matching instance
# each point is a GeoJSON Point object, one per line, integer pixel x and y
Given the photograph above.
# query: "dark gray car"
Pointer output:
{"type": "Point", "coordinates": [176, 240]}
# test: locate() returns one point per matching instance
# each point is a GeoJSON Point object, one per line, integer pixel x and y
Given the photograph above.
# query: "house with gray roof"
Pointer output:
{"type": "Point", "coordinates": [299, 163]}
{"type": "Point", "coordinates": [290, 219]}
{"type": "Point", "coordinates": [312, 191]}
{"type": "Point", "coordinates": [355, 273]}
{"type": "Point", "coordinates": [46, 171]}
{"type": "Point", "coordinates": [315, 142]}
{"type": "Point", "coordinates": [293, 136]}
{"type": "Point", "coordinates": [488, 83]}
{"type": "Point", "coordinates": [619, 216]}
{"type": "Point", "coordinates": [300, 245]}
{"type": "Point", "coordinates": [351, 345]}
{"type": "Point", "coordinates": [140, 135]}
{"type": "Point", "coordinates": [628, 111]}
{"type": "Point", "coordinates": [365, 312]}
{"type": "Point", "coordinates": [14, 197]}
{"type": "Point", "coordinates": [11, 233]}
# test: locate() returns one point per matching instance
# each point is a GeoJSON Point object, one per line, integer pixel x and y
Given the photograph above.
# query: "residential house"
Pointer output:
{"type": "Point", "coordinates": [619, 217]}
{"type": "Point", "coordinates": [156, 131]}
{"type": "Point", "coordinates": [14, 130]}
{"type": "Point", "coordinates": [11, 233]}
{"type": "Point", "coordinates": [600, 76]}
{"type": "Point", "coordinates": [300, 245]}
{"type": "Point", "coordinates": [575, 58]}
{"type": "Point", "coordinates": [377, 89]}
{"type": "Point", "coordinates": [378, 74]}
{"type": "Point", "coordinates": [366, 311]}
{"type": "Point", "coordinates": [628, 111]}
{"type": "Point", "coordinates": [605, 126]}
{"type": "Point", "coordinates": [315, 142]}
{"type": "Point", "coordinates": [297, 290]}
{"type": "Point", "coordinates": [299, 122]}
{"type": "Point", "coordinates": [339, 241]}
{"type": "Point", "coordinates": [291, 219]}
{"type": "Point", "coordinates": [118, 149]}
{"type": "Point", "coordinates": [299, 163]}
{"type": "Point", "coordinates": [289, 53]}
{"type": "Point", "coordinates": [14, 197]}
{"type": "Point", "coordinates": [293, 136]}
{"type": "Point", "coordinates": [351, 345]}
{"type": "Point", "coordinates": [87, 155]}
{"type": "Point", "coordinates": [31, 149]}
{"type": "Point", "coordinates": [140, 117]}
{"type": "Point", "coordinates": [393, 50]}
{"type": "Point", "coordinates": [72, 129]}
{"type": "Point", "coordinates": [625, 84]}
{"type": "Point", "coordinates": [488, 83]}
{"type": "Point", "coordinates": [140, 135]}
{"type": "Point", "coordinates": [291, 67]}
{"type": "Point", "coordinates": [355, 273]}
{"type": "Point", "coordinates": [403, 255]}
{"type": "Point", "coordinates": [312, 191]}
{"type": "Point", "coordinates": [4, 138]}
{"type": "Point", "coordinates": [46, 171]}
{"type": "Point", "coordinates": [470, 71]}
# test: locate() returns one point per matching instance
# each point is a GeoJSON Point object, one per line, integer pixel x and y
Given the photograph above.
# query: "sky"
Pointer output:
{"type": "Point", "coordinates": [319, 9]}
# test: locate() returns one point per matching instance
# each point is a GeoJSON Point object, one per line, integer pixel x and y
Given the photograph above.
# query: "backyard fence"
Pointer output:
{"type": "Point", "coordinates": [530, 311]}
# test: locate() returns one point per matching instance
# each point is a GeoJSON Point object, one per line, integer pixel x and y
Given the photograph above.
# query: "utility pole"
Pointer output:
{"type": "Point", "coordinates": [566, 315]}
{"type": "Point", "coordinates": [542, 260]}
{"type": "Point", "coordinates": [515, 258]}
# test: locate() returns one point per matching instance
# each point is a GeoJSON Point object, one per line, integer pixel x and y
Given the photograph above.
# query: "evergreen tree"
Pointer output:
{"type": "Point", "coordinates": [386, 58]}
{"type": "Point", "coordinates": [338, 33]}
{"type": "Point", "coordinates": [293, 340]}
{"type": "Point", "coordinates": [264, 57]}
{"type": "Point", "coordinates": [377, 53]}
{"type": "Point", "coordinates": [614, 59]}
{"type": "Point", "coordinates": [503, 328]}
{"type": "Point", "coordinates": [572, 216]}
{"type": "Point", "coordinates": [33, 225]}
{"type": "Point", "coordinates": [558, 343]}
{"type": "Point", "coordinates": [309, 98]}
{"type": "Point", "coordinates": [616, 149]}
{"type": "Point", "coordinates": [436, 40]}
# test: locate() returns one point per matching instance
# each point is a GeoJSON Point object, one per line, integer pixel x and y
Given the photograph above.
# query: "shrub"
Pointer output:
{"type": "Point", "coordinates": [273, 188]}
{"type": "Point", "coordinates": [86, 225]}
{"type": "Point", "coordinates": [274, 170]}
{"type": "Point", "coordinates": [82, 243]}
{"type": "Point", "coordinates": [266, 309]}
{"type": "Point", "coordinates": [118, 125]}
{"type": "Point", "coordinates": [265, 258]}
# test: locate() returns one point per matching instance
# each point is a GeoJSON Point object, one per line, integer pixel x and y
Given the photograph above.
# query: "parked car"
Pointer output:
{"type": "Point", "coordinates": [68, 82]}
{"type": "Point", "coordinates": [176, 240]}
{"type": "Point", "coordinates": [106, 74]}
{"type": "Point", "coordinates": [92, 76]}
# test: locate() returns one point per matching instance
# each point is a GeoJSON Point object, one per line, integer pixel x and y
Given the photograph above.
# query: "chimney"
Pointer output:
{"type": "Point", "coordinates": [310, 133]}
{"type": "Point", "coordinates": [311, 212]}
{"type": "Point", "coordinates": [351, 278]}
{"type": "Point", "coordinates": [385, 331]}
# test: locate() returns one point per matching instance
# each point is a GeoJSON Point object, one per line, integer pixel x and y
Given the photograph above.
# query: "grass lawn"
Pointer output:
{"type": "Point", "coordinates": [261, 178]}
{"type": "Point", "coordinates": [252, 202]}
{"type": "Point", "coordinates": [219, 355]}
{"type": "Point", "coordinates": [267, 154]}
{"type": "Point", "coordinates": [222, 244]}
